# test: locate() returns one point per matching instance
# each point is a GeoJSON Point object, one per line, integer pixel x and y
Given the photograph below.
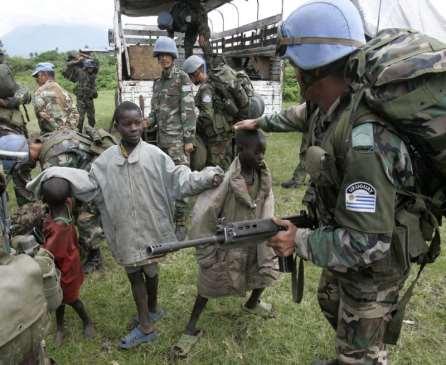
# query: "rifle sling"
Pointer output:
{"type": "Point", "coordinates": [297, 280]}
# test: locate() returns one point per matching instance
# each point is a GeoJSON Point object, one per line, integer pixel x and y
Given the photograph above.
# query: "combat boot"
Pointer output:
{"type": "Point", "coordinates": [94, 261]}
{"type": "Point", "coordinates": [291, 184]}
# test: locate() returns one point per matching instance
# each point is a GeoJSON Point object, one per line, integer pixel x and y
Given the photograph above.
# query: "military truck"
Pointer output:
{"type": "Point", "coordinates": [249, 47]}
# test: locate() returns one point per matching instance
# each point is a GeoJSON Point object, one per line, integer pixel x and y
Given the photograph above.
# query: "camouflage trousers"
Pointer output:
{"type": "Point", "coordinates": [88, 225]}
{"type": "Point", "coordinates": [85, 106]}
{"type": "Point", "coordinates": [179, 157]}
{"type": "Point", "coordinates": [299, 173]}
{"type": "Point", "coordinates": [219, 154]}
{"type": "Point", "coordinates": [21, 175]}
{"type": "Point", "coordinates": [360, 322]}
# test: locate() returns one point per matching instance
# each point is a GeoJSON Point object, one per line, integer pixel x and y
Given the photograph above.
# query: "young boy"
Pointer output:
{"type": "Point", "coordinates": [246, 193]}
{"type": "Point", "coordinates": [61, 240]}
{"type": "Point", "coordinates": [134, 186]}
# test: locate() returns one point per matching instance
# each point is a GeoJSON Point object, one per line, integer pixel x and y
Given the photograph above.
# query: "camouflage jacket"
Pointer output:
{"type": "Point", "coordinates": [11, 118]}
{"type": "Point", "coordinates": [212, 124]}
{"type": "Point", "coordinates": [54, 108]}
{"type": "Point", "coordinates": [355, 181]}
{"type": "Point", "coordinates": [69, 148]}
{"type": "Point", "coordinates": [85, 87]}
{"type": "Point", "coordinates": [173, 108]}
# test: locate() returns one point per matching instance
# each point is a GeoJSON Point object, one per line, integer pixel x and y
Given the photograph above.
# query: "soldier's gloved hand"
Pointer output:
{"type": "Point", "coordinates": [189, 147]}
{"type": "Point", "coordinates": [249, 124]}
{"type": "Point", "coordinates": [283, 242]}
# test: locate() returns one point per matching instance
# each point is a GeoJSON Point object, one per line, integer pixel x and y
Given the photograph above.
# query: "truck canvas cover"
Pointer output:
{"type": "Point", "coordinates": [154, 7]}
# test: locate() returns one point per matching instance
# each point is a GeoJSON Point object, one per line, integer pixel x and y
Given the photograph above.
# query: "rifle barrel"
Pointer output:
{"type": "Point", "coordinates": [163, 248]}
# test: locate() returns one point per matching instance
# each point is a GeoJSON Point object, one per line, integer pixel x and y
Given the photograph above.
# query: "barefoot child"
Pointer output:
{"type": "Point", "coordinates": [61, 240]}
{"type": "Point", "coordinates": [245, 193]}
{"type": "Point", "coordinates": [134, 186]}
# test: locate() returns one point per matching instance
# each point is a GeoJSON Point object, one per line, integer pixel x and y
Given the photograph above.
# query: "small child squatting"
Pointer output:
{"type": "Point", "coordinates": [246, 193]}
{"type": "Point", "coordinates": [61, 240]}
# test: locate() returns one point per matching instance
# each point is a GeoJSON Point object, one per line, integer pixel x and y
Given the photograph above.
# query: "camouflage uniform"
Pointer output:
{"type": "Point", "coordinates": [54, 108]}
{"type": "Point", "coordinates": [12, 121]}
{"type": "Point", "coordinates": [213, 127]}
{"type": "Point", "coordinates": [68, 148]}
{"type": "Point", "coordinates": [85, 91]}
{"type": "Point", "coordinates": [190, 18]}
{"type": "Point", "coordinates": [362, 242]}
{"type": "Point", "coordinates": [173, 111]}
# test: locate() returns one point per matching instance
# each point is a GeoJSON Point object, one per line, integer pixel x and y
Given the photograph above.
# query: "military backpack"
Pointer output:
{"type": "Point", "coordinates": [401, 76]}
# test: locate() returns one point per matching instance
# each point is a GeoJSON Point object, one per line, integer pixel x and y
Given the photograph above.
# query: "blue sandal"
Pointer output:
{"type": "Point", "coordinates": [137, 337]}
{"type": "Point", "coordinates": [153, 317]}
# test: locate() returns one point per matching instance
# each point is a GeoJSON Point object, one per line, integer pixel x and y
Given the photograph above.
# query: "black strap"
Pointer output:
{"type": "Point", "coordinates": [297, 280]}
{"type": "Point", "coordinates": [393, 329]}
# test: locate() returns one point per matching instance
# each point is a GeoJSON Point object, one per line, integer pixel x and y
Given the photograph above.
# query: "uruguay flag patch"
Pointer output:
{"type": "Point", "coordinates": [360, 197]}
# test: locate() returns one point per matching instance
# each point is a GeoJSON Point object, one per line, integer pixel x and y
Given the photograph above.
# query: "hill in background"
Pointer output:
{"type": "Point", "coordinates": [39, 38]}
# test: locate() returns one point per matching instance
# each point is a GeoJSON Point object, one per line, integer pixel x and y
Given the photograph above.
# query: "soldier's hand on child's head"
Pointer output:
{"type": "Point", "coordinates": [249, 124]}
{"type": "Point", "coordinates": [283, 242]}
{"type": "Point", "coordinates": [189, 147]}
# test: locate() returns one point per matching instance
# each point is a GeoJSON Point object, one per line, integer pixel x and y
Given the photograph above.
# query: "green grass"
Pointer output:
{"type": "Point", "coordinates": [298, 335]}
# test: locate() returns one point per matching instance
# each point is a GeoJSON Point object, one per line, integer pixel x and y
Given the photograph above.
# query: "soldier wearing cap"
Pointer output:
{"type": "Point", "coordinates": [83, 71]}
{"type": "Point", "coordinates": [188, 17]}
{"type": "Point", "coordinates": [53, 105]}
{"type": "Point", "coordinates": [173, 111]}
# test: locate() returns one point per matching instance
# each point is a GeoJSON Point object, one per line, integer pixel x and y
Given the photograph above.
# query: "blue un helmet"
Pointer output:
{"type": "Point", "coordinates": [13, 148]}
{"type": "Point", "coordinates": [320, 32]}
{"type": "Point", "coordinates": [192, 64]}
{"type": "Point", "coordinates": [165, 45]}
{"type": "Point", "coordinates": [165, 20]}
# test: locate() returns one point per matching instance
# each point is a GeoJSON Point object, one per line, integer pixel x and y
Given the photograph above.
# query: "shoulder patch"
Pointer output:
{"type": "Point", "coordinates": [186, 88]}
{"type": "Point", "coordinates": [360, 197]}
{"type": "Point", "coordinates": [207, 98]}
{"type": "Point", "coordinates": [362, 136]}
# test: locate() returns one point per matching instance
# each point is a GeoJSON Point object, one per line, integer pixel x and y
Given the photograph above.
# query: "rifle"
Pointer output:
{"type": "Point", "coordinates": [235, 233]}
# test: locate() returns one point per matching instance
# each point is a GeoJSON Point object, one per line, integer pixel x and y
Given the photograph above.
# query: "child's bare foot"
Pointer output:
{"type": "Point", "coordinates": [89, 331]}
{"type": "Point", "coordinates": [58, 339]}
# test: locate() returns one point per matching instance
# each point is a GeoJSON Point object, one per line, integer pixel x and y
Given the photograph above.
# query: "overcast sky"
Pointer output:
{"type": "Point", "coordinates": [427, 14]}
{"type": "Point", "coordinates": [100, 12]}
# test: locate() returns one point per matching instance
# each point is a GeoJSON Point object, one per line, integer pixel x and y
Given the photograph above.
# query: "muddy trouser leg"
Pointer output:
{"type": "Point", "coordinates": [21, 175]}
{"type": "Point", "coordinates": [179, 157]}
{"type": "Point", "coordinates": [81, 108]}
{"type": "Point", "coordinates": [90, 235]}
{"type": "Point", "coordinates": [362, 320]}
{"type": "Point", "coordinates": [91, 112]}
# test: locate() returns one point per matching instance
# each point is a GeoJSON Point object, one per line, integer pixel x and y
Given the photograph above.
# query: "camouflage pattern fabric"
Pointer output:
{"type": "Point", "coordinates": [190, 18]}
{"type": "Point", "coordinates": [362, 242]}
{"type": "Point", "coordinates": [54, 108]}
{"type": "Point", "coordinates": [214, 128]}
{"type": "Point", "coordinates": [173, 108]}
{"type": "Point", "coordinates": [28, 217]}
{"type": "Point", "coordinates": [85, 91]}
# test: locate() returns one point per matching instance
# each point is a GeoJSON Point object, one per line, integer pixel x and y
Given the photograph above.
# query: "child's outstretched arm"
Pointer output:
{"type": "Point", "coordinates": [184, 182]}
{"type": "Point", "coordinates": [83, 184]}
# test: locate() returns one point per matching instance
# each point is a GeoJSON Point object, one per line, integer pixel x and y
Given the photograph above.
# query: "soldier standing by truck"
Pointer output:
{"type": "Point", "coordinates": [190, 18]}
{"type": "Point", "coordinates": [82, 70]}
{"type": "Point", "coordinates": [173, 111]}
